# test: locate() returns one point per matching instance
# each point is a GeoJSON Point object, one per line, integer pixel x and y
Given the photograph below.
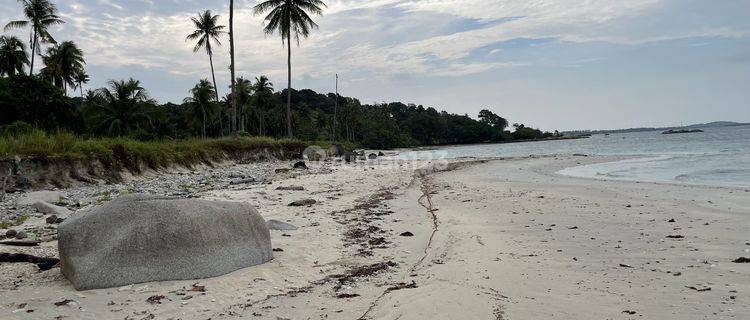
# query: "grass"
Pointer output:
{"type": "Point", "coordinates": [19, 221]}
{"type": "Point", "coordinates": [155, 154]}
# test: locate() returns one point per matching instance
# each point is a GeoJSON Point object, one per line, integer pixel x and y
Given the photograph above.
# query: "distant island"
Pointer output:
{"type": "Point", "coordinates": [682, 131]}
{"type": "Point", "coordinates": [715, 124]}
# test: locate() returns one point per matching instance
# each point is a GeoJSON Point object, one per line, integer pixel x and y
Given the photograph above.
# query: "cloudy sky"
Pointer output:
{"type": "Point", "coordinates": [554, 64]}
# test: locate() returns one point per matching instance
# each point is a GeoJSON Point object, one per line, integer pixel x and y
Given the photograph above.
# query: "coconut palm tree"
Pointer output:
{"type": "Point", "coordinates": [13, 56]}
{"type": "Point", "coordinates": [62, 63]}
{"type": "Point", "coordinates": [121, 108]}
{"type": "Point", "coordinates": [233, 125]}
{"type": "Point", "coordinates": [243, 91]}
{"type": "Point", "coordinates": [262, 94]}
{"type": "Point", "coordinates": [41, 14]}
{"type": "Point", "coordinates": [289, 18]}
{"type": "Point", "coordinates": [81, 77]}
{"type": "Point", "coordinates": [200, 102]}
{"type": "Point", "coordinates": [207, 30]}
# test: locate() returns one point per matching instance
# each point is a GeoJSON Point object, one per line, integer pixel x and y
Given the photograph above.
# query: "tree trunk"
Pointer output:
{"type": "Point", "coordinates": [233, 128]}
{"type": "Point", "coordinates": [213, 75]}
{"type": "Point", "coordinates": [289, 86]}
{"type": "Point", "coordinates": [203, 123]}
{"type": "Point", "coordinates": [33, 52]}
{"type": "Point", "coordinates": [80, 86]}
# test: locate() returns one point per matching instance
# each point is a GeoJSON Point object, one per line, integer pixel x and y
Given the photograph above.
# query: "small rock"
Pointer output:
{"type": "Point", "coordinates": [280, 225]}
{"type": "Point", "coordinates": [47, 208]}
{"type": "Point", "coordinates": [21, 235]}
{"type": "Point", "coordinates": [278, 250]}
{"type": "Point", "coordinates": [625, 265]}
{"type": "Point", "coordinates": [381, 154]}
{"type": "Point", "coordinates": [671, 220]}
{"type": "Point", "coordinates": [677, 274]}
{"type": "Point", "coordinates": [350, 157]}
{"type": "Point", "coordinates": [291, 188]}
{"type": "Point", "coordinates": [630, 312]}
{"type": "Point", "coordinates": [242, 181]}
{"type": "Point", "coordinates": [10, 233]}
{"type": "Point", "coordinates": [303, 202]}
{"type": "Point", "coordinates": [300, 165]}
{"type": "Point", "coordinates": [282, 170]}
{"type": "Point", "coordinates": [676, 236]}
{"type": "Point", "coordinates": [741, 260]}
{"type": "Point", "coordinates": [372, 156]}
{"type": "Point", "coordinates": [407, 234]}
{"type": "Point", "coordinates": [53, 219]}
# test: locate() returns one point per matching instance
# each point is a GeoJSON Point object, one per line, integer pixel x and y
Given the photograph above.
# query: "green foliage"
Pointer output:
{"type": "Point", "coordinates": [13, 56]}
{"type": "Point", "coordinates": [155, 154]}
{"type": "Point", "coordinates": [17, 128]}
{"type": "Point", "coordinates": [37, 102]}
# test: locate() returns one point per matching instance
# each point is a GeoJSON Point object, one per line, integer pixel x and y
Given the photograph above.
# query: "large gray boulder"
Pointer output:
{"type": "Point", "coordinates": [140, 238]}
{"type": "Point", "coordinates": [37, 196]}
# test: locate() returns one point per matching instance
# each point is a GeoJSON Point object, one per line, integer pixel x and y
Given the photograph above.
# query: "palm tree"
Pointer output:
{"type": "Point", "coordinates": [232, 127]}
{"type": "Point", "coordinates": [13, 55]}
{"type": "Point", "coordinates": [289, 17]}
{"type": "Point", "coordinates": [62, 63]}
{"type": "Point", "coordinates": [41, 14]}
{"type": "Point", "coordinates": [243, 91]}
{"type": "Point", "coordinates": [263, 92]}
{"type": "Point", "coordinates": [81, 77]}
{"type": "Point", "coordinates": [121, 108]}
{"type": "Point", "coordinates": [207, 29]}
{"type": "Point", "coordinates": [200, 102]}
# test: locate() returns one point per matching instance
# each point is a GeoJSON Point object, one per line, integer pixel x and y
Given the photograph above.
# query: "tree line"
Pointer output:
{"type": "Point", "coordinates": [252, 107]}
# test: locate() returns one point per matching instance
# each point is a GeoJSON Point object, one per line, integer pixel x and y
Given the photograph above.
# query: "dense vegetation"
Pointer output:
{"type": "Point", "coordinates": [125, 109]}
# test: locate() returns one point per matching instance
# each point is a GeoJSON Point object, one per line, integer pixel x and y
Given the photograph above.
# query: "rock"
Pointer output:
{"type": "Point", "coordinates": [675, 236]}
{"type": "Point", "coordinates": [381, 154]}
{"type": "Point", "coordinates": [282, 170]}
{"type": "Point", "coordinates": [671, 220]}
{"type": "Point", "coordinates": [580, 155]}
{"type": "Point", "coordinates": [53, 219]}
{"type": "Point", "coordinates": [300, 165]}
{"type": "Point", "coordinates": [242, 181]}
{"type": "Point", "coordinates": [37, 196]}
{"type": "Point", "coordinates": [741, 260]}
{"type": "Point", "coordinates": [280, 225]}
{"type": "Point", "coordinates": [372, 156]}
{"type": "Point", "coordinates": [407, 234]}
{"type": "Point", "coordinates": [142, 238]}
{"type": "Point", "coordinates": [303, 202]}
{"type": "Point", "coordinates": [10, 233]}
{"type": "Point", "coordinates": [336, 150]}
{"type": "Point", "coordinates": [47, 208]}
{"type": "Point", "coordinates": [291, 188]}
{"type": "Point", "coordinates": [21, 235]}
{"type": "Point", "coordinates": [350, 157]}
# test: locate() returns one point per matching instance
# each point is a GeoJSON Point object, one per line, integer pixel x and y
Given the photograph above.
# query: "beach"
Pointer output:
{"type": "Point", "coordinates": [463, 239]}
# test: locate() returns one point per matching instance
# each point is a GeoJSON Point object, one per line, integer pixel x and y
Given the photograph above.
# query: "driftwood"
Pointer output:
{"type": "Point", "coordinates": [20, 243]}
{"type": "Point", "coordinates": [42, 263]}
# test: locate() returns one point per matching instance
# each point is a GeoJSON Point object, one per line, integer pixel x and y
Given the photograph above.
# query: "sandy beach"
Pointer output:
{"type": "Point", "coordinates": [478, 239]}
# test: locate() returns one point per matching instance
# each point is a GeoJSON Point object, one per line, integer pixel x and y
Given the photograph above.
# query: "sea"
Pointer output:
{"type": "Point", "coordinates": [719, 156]}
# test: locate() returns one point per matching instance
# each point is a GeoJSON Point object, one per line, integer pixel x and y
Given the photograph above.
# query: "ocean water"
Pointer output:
{"type": "Point", "coordinates": [716, 157]}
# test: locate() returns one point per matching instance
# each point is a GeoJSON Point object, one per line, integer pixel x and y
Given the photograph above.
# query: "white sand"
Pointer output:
{"type": "Point", "coordinates": [504, 248]}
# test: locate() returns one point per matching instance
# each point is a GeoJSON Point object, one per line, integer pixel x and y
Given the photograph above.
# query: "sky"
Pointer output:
{"type": "Point", "coordinates": [552, 64]}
